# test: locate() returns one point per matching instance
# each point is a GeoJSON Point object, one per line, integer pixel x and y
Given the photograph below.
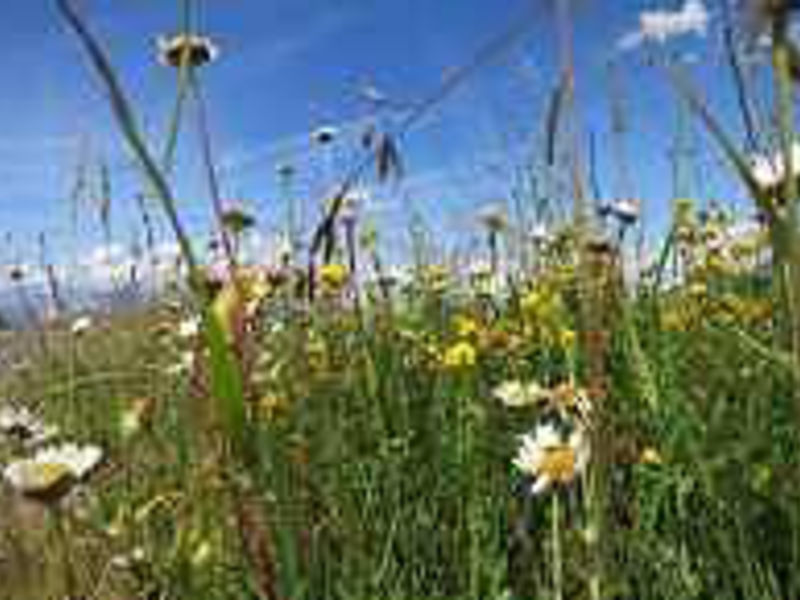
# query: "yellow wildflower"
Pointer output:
{"type": "Point", "coordinates": [540, 305]}
{"type": "Point", "coordinates": [650, 456]}
{"type": "Point", "coordinates": [465, 326]}
{"type": "Point", "coordinates": [460, 355]}
{"type": "Point", "coordinates": [333, 276]}
{"type": "Point", "coordinates": [568, 338]}
{"type": "Point", "coordinates": [272, 405]}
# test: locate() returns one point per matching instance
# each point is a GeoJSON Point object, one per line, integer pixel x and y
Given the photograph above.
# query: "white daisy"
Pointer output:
{"type": "Point", "coordinates": [81, 325]}
{"type": "Point", "coordinates": [324, 135]}
{"type": "Point", "coordinates": [21, 423]}
{"type": "Point", "coordinates": [626, 211]}
{"type": "Point", "coordinates": [189, 328]}
{"type": "Point", "coordinates": [52, 472]}
{"type": "Point", "coordinates": [198, 49]}
{"type": "Point", "coordinates": [516, 394]}
{"type": "Point", "coordinates": [770, 171]}
{"type": "Point", "coordinates": [550, 459]}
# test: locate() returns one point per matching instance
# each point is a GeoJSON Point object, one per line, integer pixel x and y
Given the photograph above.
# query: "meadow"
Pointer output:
{"type": "Point", "coordinates": [548, 416]}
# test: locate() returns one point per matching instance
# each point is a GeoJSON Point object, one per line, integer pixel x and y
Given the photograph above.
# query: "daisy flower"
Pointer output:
{"type": "Point", "coordinates": [198, 50]}
{"type": "Point", "coordinates": [81, 325]}
{"type": "Point", "coordinates": [549, 458]}
{"type": "Point", "coordinates": [22, 424]}
{"type": "Point", "coordinates": [517, 394]}
{"type": "Point", "coordinates": [53, 471]}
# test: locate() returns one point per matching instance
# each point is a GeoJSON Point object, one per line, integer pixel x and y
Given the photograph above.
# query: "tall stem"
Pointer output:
{"type": "Point", "coordinates": [59, 520]}
{"type": "Point", "coordinates": [558, 559]}
{"type": "Point", "coordinates": [786, 212]}
{"type": "Point", "coordinates": [786, 238]}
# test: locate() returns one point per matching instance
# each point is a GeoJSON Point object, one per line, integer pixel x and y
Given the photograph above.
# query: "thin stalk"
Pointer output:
{"type": "Point", "coordinates": [61, 528]}
{"type": "Point", "coordinates": [555, 535]}
{"type": "Point", "coordinates": [184, 77]}
{"type": "Point", "coordinates": [590, 320]}
{"type": "Point", "coordinates": [785, 230]}
{"type": "Point", "coordinates": [124, 116]}
{"type": "Point", "coordinates": [786, 218]}
{"type": "Point", "coordinates": [211, 174]}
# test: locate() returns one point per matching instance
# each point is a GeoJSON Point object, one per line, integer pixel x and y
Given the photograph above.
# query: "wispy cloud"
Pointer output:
{"type": "Point", "coordinates": [663, 25]}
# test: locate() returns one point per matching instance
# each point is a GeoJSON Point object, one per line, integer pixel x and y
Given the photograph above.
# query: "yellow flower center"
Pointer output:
{"type": "Point", "coordinates": [558, 464]}
{"type": "Point", "coordinates": [45, 481]}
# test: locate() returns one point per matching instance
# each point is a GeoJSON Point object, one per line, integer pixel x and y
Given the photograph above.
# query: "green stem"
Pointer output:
{"type": "Point", "coordinates": [59, 520]}
{"type": "Point", "coordinates": [786, 238]}
{"type": "Point", "coordinates": [558, 565]}
{"type": "Point", "coordinates": [785, 231]}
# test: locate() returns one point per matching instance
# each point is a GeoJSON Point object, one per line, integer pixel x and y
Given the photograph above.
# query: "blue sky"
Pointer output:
{"type": "Point", "coordinates": [288, 66]}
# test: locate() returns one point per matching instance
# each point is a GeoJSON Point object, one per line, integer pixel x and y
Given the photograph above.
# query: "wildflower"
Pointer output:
{"type": "Point", "coordinates": [284, 249]}
{"type": "Point", "coordinates": [770, 171]}
{"type": "Point", "coordinates": [465, 326]}
{"type": "Point", "coordinates": [285, 170]}
{"type": "Point", "coordinates": [52, 472]}
{"type": "Point", "coordinates": [81, 325]}
{"type": "Point", "coordinates": [333, 276]}
{"type": "Point", "coordinates": [460, 355]}
{"type": "Point", "coordinates": [539, 234]}
{"type": "Point", "coordinates": [567, 339]}
{"type": "Point", "coordinates": [129, 560]}
{"type": "Point", "coordinates": [183, 365]}
{"type": "Point", "coordinates": [196, 50]}
{"type": "Point", "coordinates": [517, 394]}
{"type": "Point", "coordinates": [189, 327]}
{"type": "Point", "coordinates": [493, 218]}
{"type": "Point", "coordinates": [237, 220]}
{"type": "Point", "coordinates": [479, 269]}
{"type": "Point", "coordinates": [540, 304]}
{"type": "Point", "coordinates": [697, 290]}
{"type": "Point", "coordinates": [324, 135]}
{"type": "Point", "coordinates": [16, 273]}
{"type": "Point", "coordinates": [22, 424]}
{"type": "Point", "coordinates": [435, 278]}
{"type": "Point", "coordinates": [272, 405]}
{"type": "Point", "coordinates": [650, 456]}
{"type": "Point", "coordinates": [549, 459]}
{"type": "Point", "coordinates": [625, 211]}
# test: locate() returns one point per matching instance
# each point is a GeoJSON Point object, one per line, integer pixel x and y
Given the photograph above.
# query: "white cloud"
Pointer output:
{"type": "Point", "coordinates": [663, 25]}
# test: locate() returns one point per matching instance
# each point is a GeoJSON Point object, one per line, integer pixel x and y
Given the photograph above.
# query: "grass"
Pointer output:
{"type": "Point", "coordinates": [291, 431]}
